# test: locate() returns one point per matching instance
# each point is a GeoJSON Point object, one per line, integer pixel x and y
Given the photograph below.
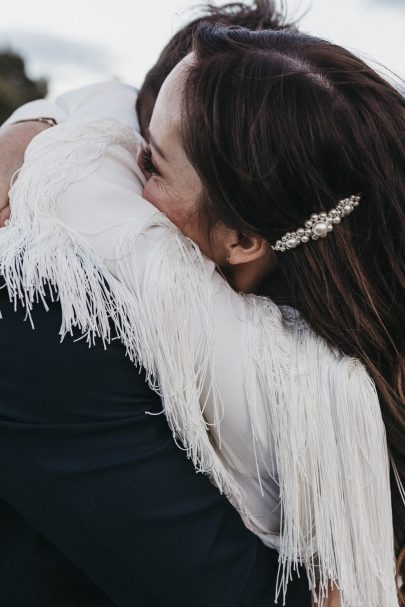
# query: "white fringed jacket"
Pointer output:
{"type": "Point", "coordinates": [287, 427]}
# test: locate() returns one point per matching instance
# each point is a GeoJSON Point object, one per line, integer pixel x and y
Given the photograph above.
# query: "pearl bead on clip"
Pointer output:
{"type": "Point", "coordinates": [318, 226]}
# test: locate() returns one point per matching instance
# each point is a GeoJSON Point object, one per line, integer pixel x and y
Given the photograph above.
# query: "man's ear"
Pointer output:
{"type": "Point", "coordinates": [244, 248]}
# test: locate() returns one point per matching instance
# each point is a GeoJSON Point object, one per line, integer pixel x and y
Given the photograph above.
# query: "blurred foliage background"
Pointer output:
{"type": "Point", "coordinates": [16, 87]}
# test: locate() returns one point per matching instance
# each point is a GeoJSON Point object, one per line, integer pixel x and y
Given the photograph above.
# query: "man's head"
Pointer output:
{"type": "Point", "coordinates": [262, 14]}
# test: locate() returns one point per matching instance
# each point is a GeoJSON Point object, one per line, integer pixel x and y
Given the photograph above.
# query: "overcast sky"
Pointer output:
{"type": "Point", "coordinates": [75, 42]}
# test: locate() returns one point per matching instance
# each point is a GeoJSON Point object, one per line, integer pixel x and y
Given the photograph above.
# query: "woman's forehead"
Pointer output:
{"type": "Point", "coordinates": [168, 104]}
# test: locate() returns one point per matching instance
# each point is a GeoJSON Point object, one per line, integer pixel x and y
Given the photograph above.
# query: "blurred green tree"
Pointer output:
{"type": "Point", "coordinates": [16, 87]}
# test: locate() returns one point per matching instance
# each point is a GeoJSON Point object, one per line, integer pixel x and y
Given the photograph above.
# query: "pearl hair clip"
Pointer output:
{"type": "Point", "coordinates": [318, 226]}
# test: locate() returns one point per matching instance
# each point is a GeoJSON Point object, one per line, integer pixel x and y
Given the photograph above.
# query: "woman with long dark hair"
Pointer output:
{"type": "Point", "coordinates": [282, 156]}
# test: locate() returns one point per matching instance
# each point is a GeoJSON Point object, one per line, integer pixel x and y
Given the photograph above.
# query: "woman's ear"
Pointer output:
{"type": "Point", "coordinates": [245, 248]}
{"type": "Point", "coordinates": [249, 259]}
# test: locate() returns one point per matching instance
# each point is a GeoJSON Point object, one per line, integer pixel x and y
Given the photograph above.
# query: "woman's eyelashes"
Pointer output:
{"type": "Point", "coordinates": [146, 162]}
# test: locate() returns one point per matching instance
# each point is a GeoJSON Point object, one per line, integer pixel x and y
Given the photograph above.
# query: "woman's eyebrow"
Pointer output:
{"type": "Point", "coordinates": [156, 147]}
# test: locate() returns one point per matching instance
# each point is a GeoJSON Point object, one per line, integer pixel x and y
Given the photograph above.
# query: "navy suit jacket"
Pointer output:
{"type": "Point", "coordinates": [98, 506]}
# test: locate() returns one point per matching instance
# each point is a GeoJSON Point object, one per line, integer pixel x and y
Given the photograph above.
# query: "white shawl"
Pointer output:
{"type": "Point", "coordinates": [322, 413]}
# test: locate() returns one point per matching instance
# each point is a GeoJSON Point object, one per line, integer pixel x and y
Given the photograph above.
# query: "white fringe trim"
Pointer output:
{"type": "Point", "coordinates": [40, 255]}
{"type": "Point", "coordinates": [332, 460]}
{"type": "Point", "coordinates": [323, 411]}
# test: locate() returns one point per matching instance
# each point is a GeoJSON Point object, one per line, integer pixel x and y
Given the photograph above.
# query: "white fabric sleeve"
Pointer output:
{"type": "Point", "coordinates": [110, 99]}
{"type": "Point", "coordinates": [149, 256]}
{"type": "Point", "coordinates": [41, 108]}
{"type": "Point", "coordinates": [164, 283]}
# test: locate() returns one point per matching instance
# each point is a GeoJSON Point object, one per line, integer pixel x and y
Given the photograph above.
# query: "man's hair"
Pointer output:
{"type": "Point", "coordinates": [262, 14]}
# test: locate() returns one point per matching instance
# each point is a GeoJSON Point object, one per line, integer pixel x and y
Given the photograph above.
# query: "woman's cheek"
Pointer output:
{"type": "Point", "coordinates": [157, 196]}
{"type": "Point", "coordinates": [151, 194]}
{"type": "Point", "coordinates": [180, 212]}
